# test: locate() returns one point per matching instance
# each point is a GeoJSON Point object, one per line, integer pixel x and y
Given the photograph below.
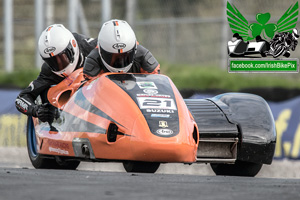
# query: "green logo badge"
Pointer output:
{"type": "Point", "coordinates": [240, 25]}
{"type": "Point", "coordinates": [271, 39]}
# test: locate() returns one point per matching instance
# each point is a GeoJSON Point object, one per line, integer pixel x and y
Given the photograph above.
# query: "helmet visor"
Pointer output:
{"type": "Point", "coordinates": [118, 60]}
{"type": "Point", "coordinates": [61, 60]}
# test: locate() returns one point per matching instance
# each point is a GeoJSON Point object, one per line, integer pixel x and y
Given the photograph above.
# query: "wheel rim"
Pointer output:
{"type": "Point", "coordinates": [31, 138]}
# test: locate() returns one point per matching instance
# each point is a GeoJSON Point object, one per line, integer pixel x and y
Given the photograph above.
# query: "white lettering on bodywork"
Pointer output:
{"type": "Point", "coordinates": [58, 150]}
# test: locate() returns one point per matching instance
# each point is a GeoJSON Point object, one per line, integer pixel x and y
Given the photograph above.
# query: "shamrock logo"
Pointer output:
{"type": "Point", "coordinates": [257, 28]}
{"type": "Point", "coordinates": [240, 25]}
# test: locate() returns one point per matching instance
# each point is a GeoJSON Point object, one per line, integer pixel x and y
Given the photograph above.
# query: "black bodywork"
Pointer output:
{"type": "Point", "coordinates": [245, 116]}
{"type": "Point", "coordinates": [156, 91]}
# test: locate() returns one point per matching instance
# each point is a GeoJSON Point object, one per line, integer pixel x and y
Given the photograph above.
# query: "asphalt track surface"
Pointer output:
{"type": "Point", "coordinates": [25, 183]}
{"type": "Point", "coordinates": [19, 180]}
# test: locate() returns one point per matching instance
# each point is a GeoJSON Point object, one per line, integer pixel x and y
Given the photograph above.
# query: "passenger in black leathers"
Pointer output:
{"type": "Point", "coordinates": [63, 52]}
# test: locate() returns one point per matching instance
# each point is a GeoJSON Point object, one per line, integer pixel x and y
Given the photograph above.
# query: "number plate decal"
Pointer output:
{"type": "Point", "coordinates": [159, 103]}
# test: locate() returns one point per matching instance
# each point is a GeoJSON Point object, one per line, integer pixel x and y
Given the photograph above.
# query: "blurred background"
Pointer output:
{"type": "Point", "coordinates": [176, 31]}
{"type": "Point", "coordinates": [188, 37]}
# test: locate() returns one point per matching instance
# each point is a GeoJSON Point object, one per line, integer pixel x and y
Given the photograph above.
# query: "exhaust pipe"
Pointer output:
{"type": "Point", "coordinates": [85, 150]}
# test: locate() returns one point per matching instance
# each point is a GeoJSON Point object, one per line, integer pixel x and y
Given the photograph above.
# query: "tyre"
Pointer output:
{"type": "Point", "coordinates": [140, 167]}
{"type": "Point", "coordinates": [37, 160]}
{"type": "Point", "coordinates": [287, 54]}
{"type": "Point", "coordinates": [240, 168]}
{"type": "Point", "coordinates": [278, 51]}
{"type": "Point", "coordinates": [61, 163]}
{"type": "Point", "coordinates": [263, 54]}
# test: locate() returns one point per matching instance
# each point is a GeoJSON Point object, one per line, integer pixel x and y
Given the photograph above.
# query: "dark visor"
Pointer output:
{"type": "Point", "coordinates": [118, 60]}
{"type": "Point", "coordinates": [62, 60]}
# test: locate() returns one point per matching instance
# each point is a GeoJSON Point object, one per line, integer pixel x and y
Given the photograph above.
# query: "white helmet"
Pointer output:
{"type": "Point", "coordinates": [117, 45]}
{"type": "Point", "coordinates": [59, 49]}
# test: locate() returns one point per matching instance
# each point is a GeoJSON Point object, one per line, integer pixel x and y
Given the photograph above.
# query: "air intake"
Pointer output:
{"type": "Point", "coordinates": [112, 132]}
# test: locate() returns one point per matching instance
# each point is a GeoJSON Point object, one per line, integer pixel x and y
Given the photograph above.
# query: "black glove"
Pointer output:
{"type": "Point", "coordinates": [45, 112]}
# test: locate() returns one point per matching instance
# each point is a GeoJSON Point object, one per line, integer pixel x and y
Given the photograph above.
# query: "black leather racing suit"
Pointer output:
{"type": "Point", "coordinates": [25, 101]}
{"type": "Point", "coordinates": [144, 62]}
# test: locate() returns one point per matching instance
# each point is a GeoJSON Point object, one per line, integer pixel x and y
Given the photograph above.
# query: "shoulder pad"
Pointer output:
{"type": "Point", "coordinates": [146, 59]}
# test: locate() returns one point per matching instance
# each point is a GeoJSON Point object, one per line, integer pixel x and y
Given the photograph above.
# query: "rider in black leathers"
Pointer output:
{"type": "Point", "coordinates": [58, 64]}
{"type": "Point", "coordinates": [118, 51]}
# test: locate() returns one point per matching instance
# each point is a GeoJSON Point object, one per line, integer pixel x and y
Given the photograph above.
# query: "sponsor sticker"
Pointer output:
{"type": "Point", "coordinates": [150, 91]}
{"type": "Point", "coordinates": [49, 50]}
{"type": "Point", "coordinates": [73, 43]}
{"type": "Point", "coordinates": [163, 124]}
{"type": "Point", "coordinates": [160, 115]}
{"type": "Point", "coordinates": [164, 132]}
{"type": "Point", "coordinates": [159, 111]}
{"type": "Point", "coordinates": [58, 144]}
{"type": "Point", "coordinates": [119, 46]}
{"type": "Point", "coordinates": [22, 104]}
{"type": "Point", "coordinates": [158, 103]}
{"type": "Point", "coordinates": [146, 85]}
{"type": "Point", "coordinates": [154, 95]}
{"type": "Point", "coordinates": [58, 150]}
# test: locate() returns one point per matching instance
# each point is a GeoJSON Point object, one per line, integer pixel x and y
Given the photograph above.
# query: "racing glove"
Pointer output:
{"type": "Point", "coordinates": [45, 112]}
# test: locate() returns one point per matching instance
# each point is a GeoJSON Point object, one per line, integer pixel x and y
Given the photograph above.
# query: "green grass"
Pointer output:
{"type": "Point", "coordinates": [210, 77]}
{"type": "Point", "coordinates": [187, 77]}
{"type": "Point", "coordinates": [20, 78]}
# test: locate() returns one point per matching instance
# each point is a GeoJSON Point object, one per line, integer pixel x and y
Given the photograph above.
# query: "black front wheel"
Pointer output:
{"type": "Point", "coordinates": [263, 54]}
{"type": "Point", "coordinates": [40, 162]}
{"type": "Point", "coordinates": [239, 168]}
{"type": "Point", "coordinates": [140, 167]}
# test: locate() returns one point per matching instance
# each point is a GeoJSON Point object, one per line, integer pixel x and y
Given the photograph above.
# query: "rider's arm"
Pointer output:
{"type": "Point", "coordinates": [146, 61]}
{"type": "Point", "coordinates": [25, 102]}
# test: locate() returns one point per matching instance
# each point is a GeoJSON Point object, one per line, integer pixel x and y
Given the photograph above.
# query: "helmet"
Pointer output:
{"type": "Point", "coordinates": [117, 45]}
{"type": "Point", "coordinates": [295, 34]}
{"type": "Point", "coordinates": [59, 49]}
